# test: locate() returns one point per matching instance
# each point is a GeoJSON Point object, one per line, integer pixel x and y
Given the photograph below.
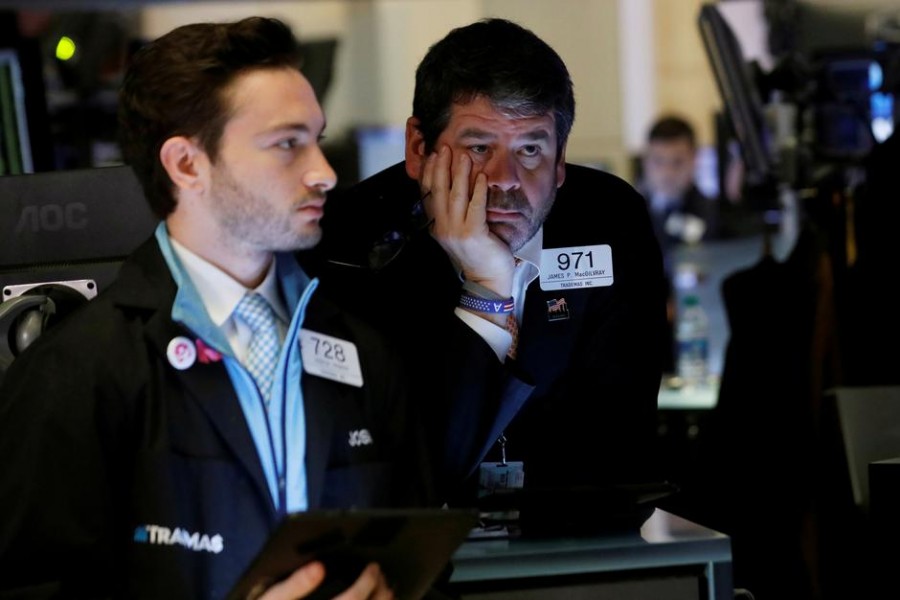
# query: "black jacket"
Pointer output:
{"type": "Point", "coordinates": [579, 404]}
{"type": "Point", "coordinates": [103, 440]}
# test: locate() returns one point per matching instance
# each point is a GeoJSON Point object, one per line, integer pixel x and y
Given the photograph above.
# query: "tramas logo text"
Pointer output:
{"type": "Point", "coordinates": [164, 536]}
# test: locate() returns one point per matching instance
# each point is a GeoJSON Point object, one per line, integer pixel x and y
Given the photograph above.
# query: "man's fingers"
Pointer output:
{"type": "Point", "coordinates": [459, 191]}
{"type": "Point", "coordinates": [370, 584]}
{"type": "Point", "coordinates": [301, 582]}
{"type": "Point", "coordinates": [440, 184]}
{"type": "Point", "coordinates": [382, 590]}
{"type": "Point", "coordinates": [427, 183]}
{"type": "Point", "coordinates": [477, 209]}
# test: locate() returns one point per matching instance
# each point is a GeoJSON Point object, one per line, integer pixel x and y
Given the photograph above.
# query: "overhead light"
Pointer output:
{"type": "Point", "coordinates": [65, 48]}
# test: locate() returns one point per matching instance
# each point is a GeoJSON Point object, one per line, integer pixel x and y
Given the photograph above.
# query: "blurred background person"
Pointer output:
{"type": "Point", "coordinates": [680, 212]}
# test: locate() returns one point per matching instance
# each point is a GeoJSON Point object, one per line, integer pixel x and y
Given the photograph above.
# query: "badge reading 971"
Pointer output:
{"type": "Point", "coordinates": [576, 267]}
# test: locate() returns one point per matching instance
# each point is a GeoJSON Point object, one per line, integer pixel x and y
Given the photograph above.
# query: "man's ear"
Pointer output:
{"type": "Point", "coordinates": [561, 167]}
{"type": "Point", "coordinates": [415, 149]}
{"type": "Point", "coordinates": [185, 163]}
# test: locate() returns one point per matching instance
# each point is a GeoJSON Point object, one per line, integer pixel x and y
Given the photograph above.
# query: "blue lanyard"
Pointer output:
{"type": "Point", "coordinates": [280, 471]}
{"type": "Point", "coordinates": [291, 334]}
{"type": "Point", "coordinates": [280, 477]}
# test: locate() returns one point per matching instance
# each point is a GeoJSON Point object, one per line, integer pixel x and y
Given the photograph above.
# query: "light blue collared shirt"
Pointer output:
{"type": "Point", "coordinates": [205, 303]}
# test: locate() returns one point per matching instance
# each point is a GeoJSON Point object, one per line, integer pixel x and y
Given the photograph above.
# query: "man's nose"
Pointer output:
{"type": "Point", "coordinates": [501, 171]}
{"type": "Point", "coordinates": [320, 175]}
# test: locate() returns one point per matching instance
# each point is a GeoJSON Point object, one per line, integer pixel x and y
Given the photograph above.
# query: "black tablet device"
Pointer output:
{"type": "Point", "coordinates": [412, 546]}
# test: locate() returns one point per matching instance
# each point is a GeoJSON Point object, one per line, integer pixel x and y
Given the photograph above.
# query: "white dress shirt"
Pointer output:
{"type": "Point", "coordinates": [528, 269]}
{"type": "Point", "coordinates": [221, 293]}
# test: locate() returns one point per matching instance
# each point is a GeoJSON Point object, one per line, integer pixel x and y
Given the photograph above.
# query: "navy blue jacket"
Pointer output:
{"type": "Point", "coordinates": [125, 477]}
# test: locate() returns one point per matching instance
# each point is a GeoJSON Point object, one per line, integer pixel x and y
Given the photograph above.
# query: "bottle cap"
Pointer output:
{"type": "Point", "coordinates": [691, 300]}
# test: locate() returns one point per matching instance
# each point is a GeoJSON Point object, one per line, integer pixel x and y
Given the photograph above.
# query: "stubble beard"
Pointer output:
{"type": "Point", "coordinates": [517, 235]}
{"type": "Point", "coordinates": [250, 220]}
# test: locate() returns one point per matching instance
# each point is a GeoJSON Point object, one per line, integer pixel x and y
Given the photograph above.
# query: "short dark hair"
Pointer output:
{"type": "Point", "coordinates": [670, 128]}
{"type": "Point", "coordinates": [177, 84]}
{"type": "Point", "coordinates": [504, 62]}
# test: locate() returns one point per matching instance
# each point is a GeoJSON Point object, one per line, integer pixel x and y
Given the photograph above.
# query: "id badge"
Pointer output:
{"type": "Point", "coordinates": [330, 357]}
{"type": "Point", "coordinates": [493, 476]}
{"type": "Point", "coordinates": [576, 267]}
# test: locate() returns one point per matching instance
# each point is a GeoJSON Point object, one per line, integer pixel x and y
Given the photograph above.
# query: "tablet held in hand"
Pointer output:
{"type": "Point", "coordinates": [412, 547]}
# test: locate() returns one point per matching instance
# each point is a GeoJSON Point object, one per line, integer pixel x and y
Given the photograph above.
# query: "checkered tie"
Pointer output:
{"type": "Point", "coordinates": [262, 356]}
{"type": "Point", "coordinates": [512, 325]}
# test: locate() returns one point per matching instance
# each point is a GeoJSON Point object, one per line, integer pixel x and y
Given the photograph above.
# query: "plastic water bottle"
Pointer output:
{"type": "Point", "coordinates": [692, 336]}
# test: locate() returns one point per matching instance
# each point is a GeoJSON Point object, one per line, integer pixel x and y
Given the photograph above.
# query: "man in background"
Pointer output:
{"type": "Point", "coordinates": [153, 440]}
{"type": "Point", "coordinates": [680, 212]}
{"type": "Point", "coordinates": [526, 292]}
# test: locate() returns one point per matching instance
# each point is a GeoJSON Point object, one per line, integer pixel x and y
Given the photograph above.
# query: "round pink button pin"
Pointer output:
{"type": "Point", "coordinates": [181, 353]}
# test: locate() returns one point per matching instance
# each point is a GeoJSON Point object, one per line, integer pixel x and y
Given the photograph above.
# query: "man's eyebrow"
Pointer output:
{"type": "Point", "coordinates": [297, 128]}
{"type": "Point", "coordinates": [279, 128]}
{"type": "Point", "coordinates": [535, 135]}
{"type": "Point", "coordinates": [474, 132]}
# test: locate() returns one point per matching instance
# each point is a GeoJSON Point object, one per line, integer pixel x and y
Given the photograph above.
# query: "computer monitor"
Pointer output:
{"type": "Point", "coordinates": [740, 95]}
{"type": "Point", "coordinates": [15, 146]}
{"type": "Point", "coordinates": [852, 112]}
{"type": "Point", "coordinates": [63, 236]}
{"type": "Point", "coordinates": [379, 148]}
{"type": "Point", "coordinates": [318, 64]}
{"type": "Point", "coordinates": [843, 65]}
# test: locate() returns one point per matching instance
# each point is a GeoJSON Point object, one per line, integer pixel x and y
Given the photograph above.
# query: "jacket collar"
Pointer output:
{"type": "Point", "coordinates": [145, 284]}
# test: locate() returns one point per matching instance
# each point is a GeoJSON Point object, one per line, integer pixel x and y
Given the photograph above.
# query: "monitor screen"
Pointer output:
{"type": "Point", "coordinates": [739, 93]}
{"type": "Point", "coordinates": [15, 147]}
{"type": "Point", "coordinates": [63, 236]}
{"type": "Point", "coordinates": [75, 217]}
{"type": "Point", "coordinates": [852, 110]}
{"type": "Point", "coordinates": [318, 64]}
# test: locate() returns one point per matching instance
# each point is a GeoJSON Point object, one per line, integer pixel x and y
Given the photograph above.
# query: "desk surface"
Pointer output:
{"type": "Point", "coordinates": [665, 540]}
{"type": "Point", "coordinates": [703, 397]}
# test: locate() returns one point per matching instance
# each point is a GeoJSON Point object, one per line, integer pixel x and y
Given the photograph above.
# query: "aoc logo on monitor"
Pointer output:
{"type": "Point", "coordinates": [52, 217]}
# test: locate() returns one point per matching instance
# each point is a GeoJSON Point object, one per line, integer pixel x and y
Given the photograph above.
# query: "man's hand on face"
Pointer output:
{"type": "Point", "coordinates": [370, 585]}
{"type": "Point", "coordinates": [457, 203]}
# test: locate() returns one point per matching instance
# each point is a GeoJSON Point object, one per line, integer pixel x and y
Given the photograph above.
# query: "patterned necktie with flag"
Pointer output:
{"type": "Point", "coordinates": [512, 325]}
